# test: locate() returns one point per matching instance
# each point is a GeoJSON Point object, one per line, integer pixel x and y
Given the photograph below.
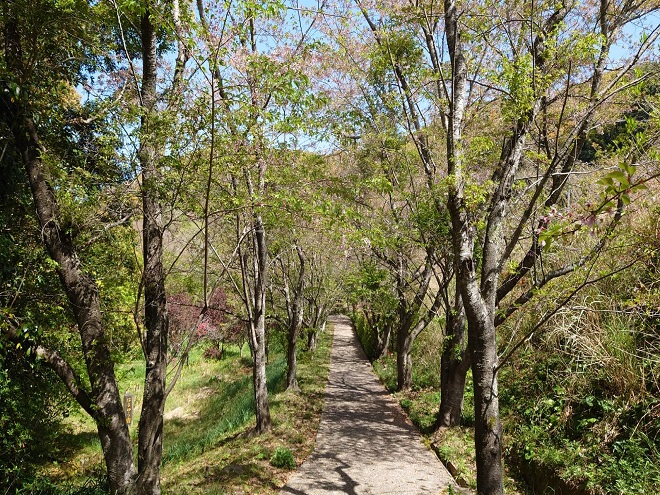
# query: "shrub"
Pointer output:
{"type": "Point", "coordinates": [283, 458]}
{"type": "Point", "coordinates": [213, 353]}
{"type": "Point", "coordinates": [32, 404]}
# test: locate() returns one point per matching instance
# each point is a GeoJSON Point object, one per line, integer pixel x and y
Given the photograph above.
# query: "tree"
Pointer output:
{"type": "Point", "coordinates": [531, 94]}
{"type": "Point", "coordinates": [292, 276]}
{"type": "Point", "coordinates": [102, 402]}
{"type": "Point", "coordinates": [259, 93]}
{"type": "Point", "coordinates": [29, 68]}
{"type": "Point", "coordinates": [511, 67]}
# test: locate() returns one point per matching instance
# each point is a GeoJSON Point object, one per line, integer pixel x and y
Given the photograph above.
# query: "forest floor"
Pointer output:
{"type": "Point", "coordinates": [210, 447]}
{"type": "Point", "coordinates": [365, 443]}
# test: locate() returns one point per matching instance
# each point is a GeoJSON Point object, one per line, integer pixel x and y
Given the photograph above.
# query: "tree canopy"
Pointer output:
{"type": "Point", "coordinates": [185, 172]}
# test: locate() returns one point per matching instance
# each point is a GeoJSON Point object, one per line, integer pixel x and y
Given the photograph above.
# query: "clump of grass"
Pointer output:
{"type": "Point", "coordinates": [283, 458]}
{"type": "Point", "coordinates": [422, 408]}
{"type": "Point", "coordinates": [385, 368]}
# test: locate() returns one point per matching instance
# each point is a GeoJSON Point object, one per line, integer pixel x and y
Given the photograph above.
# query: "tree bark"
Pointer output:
{"type": "Point", "coordinates": [382, 339]}
{"type": "Point", "coordinates": [312, 339]}
{"type": "Point", "coordinates": [150, 437]}
{"type": "Point", "coordinates": [295, 323]}
{"type": "Point", "coordinates": [454, 365]}
{"type": "Point", "coordinates": [258, 329]}
{"type": "Point", "coordinates": [403, 360]}
{"type": "Point", "coordinates": [488, 427]}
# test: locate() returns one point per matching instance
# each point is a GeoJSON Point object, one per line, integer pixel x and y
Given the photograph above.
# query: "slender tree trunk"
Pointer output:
{"type": "Point", "coordinates": [150, 438]}
{"type": "Point", "coordinates": [382, 340]}
{"type": "Point", "coordinates": [403, 360]}
{"type": "Point", "coordinates": [259, 380]}
{"type": "Point", "coordinates": [312, 339]}
{"type": "Point", "coordinates": [83, 295]}
{"type": "Point", "coordinates": [295, 323]}
{"type": "Point", "coordinates": [291, 362]}
{"type": "Point", "coordinates": [258, 329]}
{"type": "Point", "coordinates": [454, 365]}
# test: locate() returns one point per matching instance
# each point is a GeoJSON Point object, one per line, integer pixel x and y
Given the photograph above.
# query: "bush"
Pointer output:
{"type": "Point", "coordinates": [283, 458]}
{"type": "Point", "coordinates": [364, 334]}
{"type": "Point", "coordinates": [32, 404]}
{"type": "Point", "coordinates": [213, 353]}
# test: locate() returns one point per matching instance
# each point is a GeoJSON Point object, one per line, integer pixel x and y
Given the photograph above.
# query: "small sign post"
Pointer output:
{"type": "Point", "coordinates": [128, 408]}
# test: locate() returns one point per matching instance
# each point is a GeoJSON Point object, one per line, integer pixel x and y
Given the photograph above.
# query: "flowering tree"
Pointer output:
{"type": "Point", "coordinates": [542, 73]}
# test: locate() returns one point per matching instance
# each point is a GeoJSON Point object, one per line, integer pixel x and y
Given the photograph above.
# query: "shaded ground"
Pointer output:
{"type": "Point", "coordinates": [364, 443]}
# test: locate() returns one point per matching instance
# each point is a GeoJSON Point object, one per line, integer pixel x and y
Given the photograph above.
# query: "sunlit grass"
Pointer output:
{"type": "Point", "coordinates": [209, 445]}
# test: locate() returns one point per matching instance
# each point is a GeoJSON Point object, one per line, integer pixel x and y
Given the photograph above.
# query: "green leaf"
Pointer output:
{"type": "Point", "coordinates": [618, 175]}
{"type": "Point", "coordinates": [605, 181]}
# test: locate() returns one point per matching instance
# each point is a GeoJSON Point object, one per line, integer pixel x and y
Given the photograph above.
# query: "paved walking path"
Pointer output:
{"type": "Point", "coordinates": [364, 444]}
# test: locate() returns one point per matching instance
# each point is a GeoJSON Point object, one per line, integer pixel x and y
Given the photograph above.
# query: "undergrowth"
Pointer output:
{"type": "Point", "coordinates": [209, 445]}
{"type": "Point", "coordinates": [571, 423]}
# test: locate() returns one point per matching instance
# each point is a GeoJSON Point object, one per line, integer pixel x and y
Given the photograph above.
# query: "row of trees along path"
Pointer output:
{"type": "Point", "coordinates": [364, 443]}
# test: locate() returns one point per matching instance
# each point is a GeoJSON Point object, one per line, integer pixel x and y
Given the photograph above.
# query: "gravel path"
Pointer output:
{"type": "Point", "coordinates": [364, 444]}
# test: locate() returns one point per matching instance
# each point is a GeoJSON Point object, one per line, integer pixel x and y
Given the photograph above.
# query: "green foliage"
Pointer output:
{"type": "Point", "coordinates": [32, 406]}
{"type": "Point", "coordinates": [425, 356]}
{"type": "Point", "coordinates": [371, 288]}
{"type": "Point", "coordinates": [577, 429]}
{"type": "Point", "coordinates": [398, 48]}
{"type": "Point", "coordinates": [455, 447]}
{"type": "Point", "coordinates": [283, 458]}
{"type": "Point", "coordinates": [365, 335]}
{"type": "Point", "coordinates": [517, 76]}
{"type": "Point", "coordinates": [422, 408]}
{"type": "Point", "coordinates": [385, 368]}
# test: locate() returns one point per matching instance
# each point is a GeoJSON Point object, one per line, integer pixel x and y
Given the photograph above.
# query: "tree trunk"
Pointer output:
{"type": "Point", "coordinates": [488, 428]}
{"type": "Point", "coordinates": [258, 329]}
{"type": "Point", "coordinates": [382, 340]}
{"type": "Point", "coordinates": [482, 344]}
{"type": "Point", "coordinates": [295, 322]}
{"type": "Point", "coordinates": [312, 339]}
{"type": "Point", "coordinates": [454, 365]}
{"type": "Point", "coordinates": [291, 363]}
{"type": "Point", "coordinates": [150, 437]}
{"type": "Point", "coordinates": [403, 360]}
{"type": "Point", "coordinates": [259, 381]}
{"type": "Point", "coordinates": [83, 295]}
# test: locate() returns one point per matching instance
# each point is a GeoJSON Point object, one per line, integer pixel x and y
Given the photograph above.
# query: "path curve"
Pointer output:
{"type": "Point", "coordinates": [364, 444]}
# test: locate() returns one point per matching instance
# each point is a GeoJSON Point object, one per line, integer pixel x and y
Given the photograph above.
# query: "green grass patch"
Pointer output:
{"type": "Point", "coordinates": [455, 448]}
{"type": "Point", "coordinates": [385, 368]}
{"type": "Point", "coordinates": [422, 408]}
{"type": "Point", "coordinates": [283, 458]}
{"type": "Point", "coordinates": [209, 445]}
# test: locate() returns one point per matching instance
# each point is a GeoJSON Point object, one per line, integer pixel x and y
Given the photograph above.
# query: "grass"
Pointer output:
{"type": "Point", "coordinates": [455, 448]}
{"type": "Point", "coordinates": [209, 444]}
